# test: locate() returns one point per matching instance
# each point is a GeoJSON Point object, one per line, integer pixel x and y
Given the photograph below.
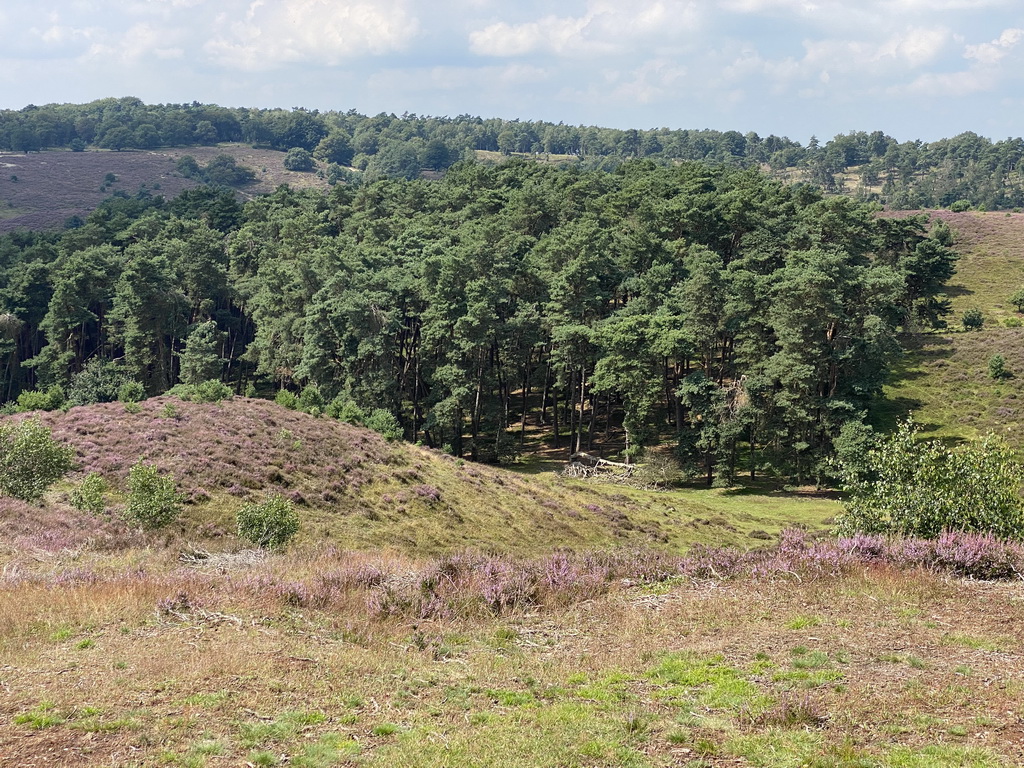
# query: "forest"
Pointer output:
{"type": "Point", "coordinates": [964, 171]}
{"type": "Point", "coordinates": [746, 323]}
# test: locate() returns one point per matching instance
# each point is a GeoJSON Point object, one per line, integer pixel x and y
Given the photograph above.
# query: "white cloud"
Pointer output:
{"type": "Point", "coordinates": [655, 80]}
{"type": "Point", "coordinates": [916, 46]}
{"type": "Point", "coordinates": [606, 27]}
{"type": "Point", "coordinates": [991, 53]}
{"type": "Point", "coordinates": [948, 84]}
{"type": "Point", "coordinates": [318, 32]}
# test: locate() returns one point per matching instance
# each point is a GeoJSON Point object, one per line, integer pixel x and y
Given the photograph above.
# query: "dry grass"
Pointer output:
{"type": "Point", "coordinates": [878, 668]}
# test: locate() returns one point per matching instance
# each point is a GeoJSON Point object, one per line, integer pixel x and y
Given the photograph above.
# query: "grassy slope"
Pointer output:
{"type": "Point", "coordinates": [944, 381]}
{"type": "Point", "coordinates": [355, 490]}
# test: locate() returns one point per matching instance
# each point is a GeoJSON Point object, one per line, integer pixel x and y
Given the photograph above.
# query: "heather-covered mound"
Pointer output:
{"type": "Point", "coordinates": [353, 488]}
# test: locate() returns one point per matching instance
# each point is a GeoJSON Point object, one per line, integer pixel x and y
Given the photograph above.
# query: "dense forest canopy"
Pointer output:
{"type": "Point", "coordinates": [747, 322]}
{"type": "Point", "coordinates": [964, 170]}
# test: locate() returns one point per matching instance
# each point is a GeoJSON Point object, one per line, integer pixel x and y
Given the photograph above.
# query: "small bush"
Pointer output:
{"type": "Point", "coordinates": [31, 460]}
{"type": "Point", "coordinates": [268, 524]}
{"type": "Point", "coordinates": [298, 159]}
{"type": "Point", "coordinates": [89, 495]}
{"type": "Point", "coordinates": [1017, 299]}
{"type": "Point", "coordinates": [50, 400]}
{"type": "Point", "coordinates": [972, 319]}
{"type": "Point", "coordinates": [131, 392]}
{"type": "Point", "coordinates": [921, 488]}
{"type": "Point", "coordinates": [347, 411]}
{"type": "Point", "coordinates": [212, 391]}
{"type": "Point", "coordinates": [310, 400]}
{"type": "Point", "coordinates": [100, 381]}
{"type": "Point", "coordinates": [384, 421]}
{"type": "Point", "coordinates": [287, 399]}
{"type": "Point", "coordinates": [997, 367]}
{"type": "Point", "coordinates": [153, 500]}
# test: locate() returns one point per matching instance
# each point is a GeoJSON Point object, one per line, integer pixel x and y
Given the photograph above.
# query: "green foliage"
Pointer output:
{"type": "Point", "coordinates": [298, 159]}
{"type": "Point", "coordinates": [310, 400]}
{"type": "Point", "coordinates": [50, 400]}
{"type": "Point", "coordinates": [131, 392]}
{"type": "Point", "coordinates": [268, 524]}
{"type": "Point", "coordinates": [1017, 299]}
{"type": "Point", "coordinates": [346, 410]}
{"type": "Point", "coordinates": [972, 319]}
{"type": "Point", "coordinates": [100, 381]}
{"type": "Point", "coordinates": [336, 148]}
{"type": "Point", "coordinates": [222, 171]}
{"type": "Point", "coordinates": [153, 500]}
{"type": "Point", "coordinates": [212, 391]}
{"type": "Point", "coordinates": [921, 488]}
{"type": "Point", "coordinates": [200, 360]}
{"type": "Point", "coordinates": [31, 460]}
{"type": "Point", "coordinates": [755, 318]}
{"type": "Point", "coordinates": [997, 368]}
{"type": "Point", "coordinates": [89, 496]}
{"type": "Point", "coordinates": [287, 399]}
{"type": "Point", "coordinates": [384, 421]}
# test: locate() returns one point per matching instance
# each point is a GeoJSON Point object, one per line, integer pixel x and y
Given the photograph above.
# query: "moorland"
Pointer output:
{"type": "Point", "coordinates": [405, 366]}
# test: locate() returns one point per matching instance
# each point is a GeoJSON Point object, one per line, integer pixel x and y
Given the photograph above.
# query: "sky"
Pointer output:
{"type": "Point", "coordinates": [915, 69]}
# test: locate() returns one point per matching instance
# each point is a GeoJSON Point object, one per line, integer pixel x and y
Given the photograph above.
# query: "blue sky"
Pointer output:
{"type": "Point", "coordinates": [912, 68]}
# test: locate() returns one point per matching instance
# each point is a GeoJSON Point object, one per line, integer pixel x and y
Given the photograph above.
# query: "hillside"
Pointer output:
{"type": "Point", "coordinates": [41, 190]}
{"type": "Point", "coordinates": [357, 491]}
{"type": "Point", "coordinates": [944, 380]}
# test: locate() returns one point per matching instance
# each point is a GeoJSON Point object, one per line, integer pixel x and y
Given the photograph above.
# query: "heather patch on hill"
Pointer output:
{"type": "Point", "coordinates": [354, 489]}
{"type": "Point", "coordinates": [43, 190]}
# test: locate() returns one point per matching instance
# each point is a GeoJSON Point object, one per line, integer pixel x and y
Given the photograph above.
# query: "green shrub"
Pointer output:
{"type": "Point", "coordinates": [212, 391]}
{"type": "Point", "coordinates": [31, 460]}
{"type": "Point", "coordinates": [997, 367]}
{"type": "Point", "coordinates": [287, 399]}
{"type": "Point", "coordinates": [298, 159]}
{"type": "Point", "coordinates": [384, 421]}
{"type": "Point", "coordinates": [131, 392]}
{"type": "Point", "coordinates": [89, 495]}
{"type": "Point", "coordinates": [100, 381]}
{"type": "Point", "coordinates": [184, 392]}
{"type": "Point", "coordinates": [1017, 299]}
{"type": "Point", "coordinates": [960, 206]}
{"type": "Point", "coordinates": [921, 488]}
{"type": "Point", "coordinates": [310, 400]}
{"type": "Point", "coordinates": [50, 400]}
{"type": "Point", "coordinates": [170, 411]}
{"type": "Point", "coordinates": [347, 411]}
{"type": "Point", "coordinates": [972, 319]}
{"type": "Point", "coordinates": [268, 524]}
{"type": "Point", "coordinates": [153, 500]}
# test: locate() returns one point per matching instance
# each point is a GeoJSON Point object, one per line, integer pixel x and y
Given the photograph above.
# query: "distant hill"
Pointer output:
{"type": "Point", "coordinates": [43, 190]}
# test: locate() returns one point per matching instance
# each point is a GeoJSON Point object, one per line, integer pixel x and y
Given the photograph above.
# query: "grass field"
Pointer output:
{"type": "Point", "coordinates": [231, 663]}
{"type": "Point", "coordinates": [944, 380]}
